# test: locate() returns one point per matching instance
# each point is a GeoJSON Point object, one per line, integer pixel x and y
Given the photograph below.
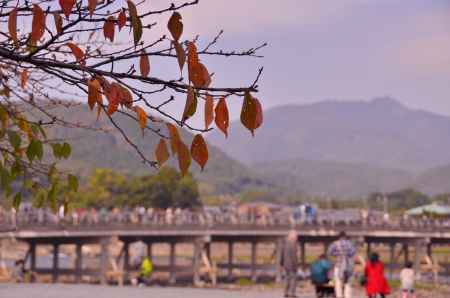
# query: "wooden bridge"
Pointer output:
{"type": "Point", "coordinates": [421, 240]}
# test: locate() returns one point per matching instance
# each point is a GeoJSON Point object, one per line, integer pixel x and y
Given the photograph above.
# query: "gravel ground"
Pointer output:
{"type": "Point", "coordinates": [97, 291]}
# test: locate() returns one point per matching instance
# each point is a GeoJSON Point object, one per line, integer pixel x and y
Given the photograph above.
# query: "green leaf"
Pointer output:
{"type": "Point", "coordinates": [17, 199]}
{"type": "Point", "coordinates": [51, 197]}
{"type": "Point", "coordinates": [66, 150]}
{"type": "Point", "coordinates": [73, 182]}
{"type": "Point", "coordinates": [5, 179]}
{"type": "Point", "coordinates": [14, 139]}
{"type": "Point", "coordinates": [35, 149]}
{"type": "Point", "coordinates": [40, 198]}
{"type": "Point", "coordinates": [135, 22]}
{"type": "Point", "coordinates": [57, 148]}
{"type": "Point", "coordinates": [16, 169]}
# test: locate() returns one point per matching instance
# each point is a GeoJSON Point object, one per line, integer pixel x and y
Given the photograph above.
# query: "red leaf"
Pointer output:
{"type": "Point", "coordinates": [199, 150]}
{"type": "Point", "coordinates": [184, 158]}
{"type": "Point", "coordinates": [209, 111]}
{"type": "Point", "coordinates": [248, 112]}
{"type": "Point", "coordinates": [58, 22]}
{"type": "Point", "coordinates": [191, 104]}
{"type": "Point", "coordinates": [67, 6]}
{"type": "Point", "coordinates": [38, 24]}
{"type": "Point", "coordinates": [12, 26]}
{"type": "Point", "coordinates": [175, 26]}
{"type": "Point", "coordinates": [259, 113]}
{"type": "Point", "coordinates": [92, 4]}
{"type": "Point", "coordinates": [174, 137]}
{"type": "Point", "coordinates": [181, 55]}
{"type": "Point", "coordinates": [199, 75]}
{"type": "Point", "coordinates": [222, 118]}
{"type": "Point", "coordinates": [161, 152]}
{"type": "Point", "coordinates": [77, 52]}
{"type": "Point", "coordinates": [144, 64]}
{"type": "Point", "coordinates": [108, 28]}
{"type": "Point", "coordinates": [122, 19]}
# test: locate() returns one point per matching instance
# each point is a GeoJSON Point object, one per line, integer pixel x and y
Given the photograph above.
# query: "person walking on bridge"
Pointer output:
{"type": "Point", "coordinates": [290, 263]}
{"type": "Point", "coordinates": [344, 251]}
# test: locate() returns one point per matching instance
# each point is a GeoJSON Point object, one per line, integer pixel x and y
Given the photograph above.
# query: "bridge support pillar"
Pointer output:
{"type": "Point", "coordinates": [230, 260]}
{"type": "Point", "coordinates": [78, 262]}
{"type": "Point", "coordinates": [196, 261]}
{"type": "Point", "coordinates": [126, 260]}
{"type": "Point", "coordinates": [303, 254]}
{"type": "Point", "coordinates": [172, 264]}
{"type": "Point", "coordinates": [406, 252]}
{"type": "Point", "coordinates": [253, 261]}
{"type": "Point", "coordinates": [278, 259]}
{"type": "Point", "coordinates": [104, 259]}
{"type": "Point", "coordinates": [150, 251]}
{"type": "Point", "coordinates": [55, 269]}
{"type": "Point", "coordinates": [391, 260]}
{"type": "Point", "coordinates": [33, 257]}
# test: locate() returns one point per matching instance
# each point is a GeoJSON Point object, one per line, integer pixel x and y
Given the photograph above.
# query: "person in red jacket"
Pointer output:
{"type": "Point", "coordinates": [376, 283]}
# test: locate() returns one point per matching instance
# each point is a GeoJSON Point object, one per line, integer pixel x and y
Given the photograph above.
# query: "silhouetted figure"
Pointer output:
{"type": "Point", "coordinates": [290, 263]}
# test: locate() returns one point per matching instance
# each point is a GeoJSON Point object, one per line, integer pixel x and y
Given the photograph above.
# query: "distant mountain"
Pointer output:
{"type": "Point", "coordinates": [434, 181]}
{"type": "Point", "coordinates": [92, 149]}
{"type": "Point", "coordinates": [381, 133]}
{"type": "Point", "coordinates": [336, 179]}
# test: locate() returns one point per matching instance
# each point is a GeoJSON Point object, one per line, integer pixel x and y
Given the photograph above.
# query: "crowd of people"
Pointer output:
{"type": "Point", "coordinates": [260, 215]}
{"type": "Point", "coordinates": [332, 274]}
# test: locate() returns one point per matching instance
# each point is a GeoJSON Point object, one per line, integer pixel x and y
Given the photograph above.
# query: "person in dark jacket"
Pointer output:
{"type": "Point", "coordinates": [290, 263]}
{"type": "Point", "coordinates": [319, 275]}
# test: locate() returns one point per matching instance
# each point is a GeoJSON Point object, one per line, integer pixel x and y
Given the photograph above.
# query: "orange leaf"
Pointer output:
{"type": "Point", "coordinates": [191, 104]}
{"type": "Point", "coordinates": [199, 76]}
{"type": "Point", "coordinates": [122, 19]}
{"type": "Point", "coordinates": [108, 28]}
{"type": "Point", "coordinates": [38, 24]}
{"type": "Point", "coordinates": [144, 64]}
{"type": "Point", "coordinates": [199, 150]}
{"type": "Point", "coordinates": [92, 4]}
{"type": "Point", "coordinates": [259, 113]}
{"type": "Point", "coordinates": [248, 112]}
{"type": "Point", "coordinates": [184, 158]}
{"type": "Point", "coordinates": [209, 111]}
{"type": "Point", "coordinates": [161, 152]}
{"type": "Point", "coordinates": [222, 120]}
{"type": "Point", "coordinates": [125, 97]}
{"type": "Point", "coordinates": [142, 117]}
{"type": "Point", "coordinates": [192, 53]}
{"type": "Point", "coordinates": [94, 94]}
{"type": "Point", "coordinates": [174, 137]}
{"type": "Point", "coordinates": [113, 93]}
{"type": "Point", "coordinates": [67, 6]}
{"type": "Point", "coordinates": [12, 26]}
{"type": "Point", "coordinates": [58, 22]}
{"type": "Point", "coordinates": [23, 78]}
{"type": "Point", "coordinates": [181, 55]}
{"type": "Point", "coordinates": [175, 26]}
{"type": "Point", "coordinates": [77, 52]}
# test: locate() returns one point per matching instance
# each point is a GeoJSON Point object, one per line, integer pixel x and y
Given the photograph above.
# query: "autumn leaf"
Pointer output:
{"type": "Point", "coordinates": [135, 22]}
{"type": "Point", "coordinates": [175, 26]}
{"type": "Point", "coordinates": [248, 112]}
{"type": "Point", "coordinates": [191, 104]}
{"type": "Point", "coordinates": [38, 24]}
{"type": "Point", "coordinates": [108, 28]}
{"type": "Point", "coordinates": [77, 52]}
{"type": "Point", "coordinates": [161, 152]}
{"type": "Point", "coordinates": [199, 76]}
{"type": "Point", "coordinates": [181, 55]}
{"type": "Point", "coordinates": [58, 22]}
{"type": "Point", "coordinates": [67, 6]}
{"type": "Point", "coordinates": [184, 158]}
{"type": "Point", "coordinates": [192, 55]}
{"type": "Point", "coordinates": [199, 150]}
{"type": "Point", "coordinates": [94, 94]}
{"type": "Point", "coordinates": [221, 119]}
{"type": "Point", "coordinates": [142, 117]}
{"type": "Point", "coordinates": [125, 97]}
{"type": "Point", "coordinates": [12, 26]}
{"type": "Point", "coordinates": [23, 78]}
{"type": "Point", "coordinates": [174, 137]}
{"type": "Point", "coordinates": [144, 64]}
{"type": "Point", "coordinates": [259, 113]}
{"type": "Point", "coordinates": [209, 111]}
{"type": "Point", "coordinates": [92, 4]}
{"type": "Point", "coordinates": [121, 19]}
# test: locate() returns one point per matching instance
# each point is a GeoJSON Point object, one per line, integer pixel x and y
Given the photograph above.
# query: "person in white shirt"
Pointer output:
{"type": "Point", "coordinates": [407, 281]}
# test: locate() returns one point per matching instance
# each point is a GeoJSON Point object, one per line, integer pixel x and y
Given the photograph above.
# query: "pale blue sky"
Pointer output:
{"type": "Point", "coordinates": [332, 49]}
